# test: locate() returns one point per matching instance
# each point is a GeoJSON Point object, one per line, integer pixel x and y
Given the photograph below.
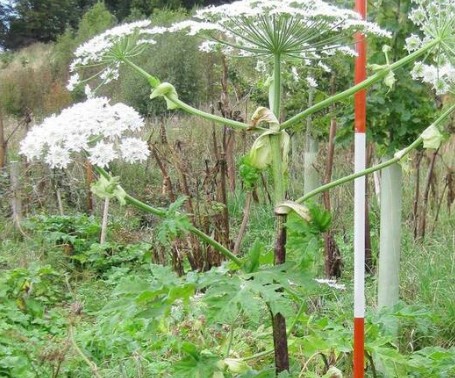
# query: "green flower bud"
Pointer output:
{"type": "Point", "coordinates": [432, 137]}
{"type": "Point", "coordinates": [389, 80]}
{"type": "Point", "coordinates": [260, 155]}
{"type": "Point", "coordinates": [105, 188]}
{"type": "Point", "coordinates": [168, 91]}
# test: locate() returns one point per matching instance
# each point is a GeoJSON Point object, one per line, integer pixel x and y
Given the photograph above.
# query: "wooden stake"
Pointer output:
{"type": "Point", "coordinates": [2, 142]}
{"type": "Point", "coordinates": [426, 193]}
{"type": "Point", "coordinates": [16, 200]}
{"type": "Point", "coordinates": [89, 181]}
{"type": "Point", "coordinates": [104, 222]}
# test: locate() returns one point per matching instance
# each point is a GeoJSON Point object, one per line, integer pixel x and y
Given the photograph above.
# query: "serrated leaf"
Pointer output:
{"type": "Point", "coordinates": [174, 223]}
{"type": "Point", "coordinates": [252, 261]}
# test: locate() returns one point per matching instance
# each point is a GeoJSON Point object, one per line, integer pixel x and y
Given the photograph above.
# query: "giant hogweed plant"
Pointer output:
{"type": "Point", "coordinates": [274, 32]}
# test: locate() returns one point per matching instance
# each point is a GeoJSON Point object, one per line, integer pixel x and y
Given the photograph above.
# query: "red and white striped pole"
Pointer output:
{"type": "Point", "coordinates": [359, 199]}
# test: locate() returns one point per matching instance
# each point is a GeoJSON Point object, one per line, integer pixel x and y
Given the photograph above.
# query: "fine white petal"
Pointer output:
{"type": "Point", "coordinates": [245, 27]}
{"type": "Point", "coordinates": [102, 154]}
{"type": "Point", "coordinates": [436, 20]}
{"type": "Point", "coordinates": [77, 128]}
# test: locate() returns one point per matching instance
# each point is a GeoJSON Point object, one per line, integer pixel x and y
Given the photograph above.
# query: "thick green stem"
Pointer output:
{"type": "Point", "coordinates": [375, 168]}
{"type": "Point", "coordinates": [275, 140]}
{"type": "Point", "coordinates": [276, 97]}
{"type": "Point", "coordinates": [162, 213]}
{"type": "Point", "coordinates": [352, 177]}
{"type": "Point", "coordinates": [154, 82]}
{"type": "Point", "coordinates": [280, 341]}
{"type": "Point", "coordinates": [310, 173]}
{"type": "Point", "coordinates": [364, 84]}
{"type": "Point", "coordinates": [211, 117]}
{"type": "Point", "coordinates": [279, 188]}
{"type": "Point", "coordinates": [219, 247]}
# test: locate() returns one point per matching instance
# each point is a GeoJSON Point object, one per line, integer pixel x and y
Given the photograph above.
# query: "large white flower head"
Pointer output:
{"type": "Point", "coordinates": [299, 29]}
{"type": "Point", "coordinates": [436, 20]}
{"type": "Point", "coordinates": [106, 51]}
{"type": "Point", "coordinates": [94, 126]}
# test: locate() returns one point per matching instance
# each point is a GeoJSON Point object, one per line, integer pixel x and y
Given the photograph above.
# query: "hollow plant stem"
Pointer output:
{"type": "Point", "coordinates": [154, 82]}
{"type": "Point", "coordinates": [280, 341]}
{"type": "Point", "coordinates": [162, 213]}
{"type": "Point", "coordinates": [375, 168]}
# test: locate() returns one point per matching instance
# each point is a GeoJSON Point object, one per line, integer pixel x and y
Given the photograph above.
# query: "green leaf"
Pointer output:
{"type": "Point", "coordinates": [248, 172]}
{"type": "Point", "coordinates": [248, 294]}
{"type": "Point", "coordinates": [197, 364]}
{"type": "Point", "coordinates": [252, 261]}
{"type": "Point", "coordinates": [174, 223]}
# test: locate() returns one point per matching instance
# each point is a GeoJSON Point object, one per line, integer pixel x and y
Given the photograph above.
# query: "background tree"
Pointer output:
{"type": "Point", "coordinates": [5, 12]}
{"type": "Point", "coordinates": [39, 21]}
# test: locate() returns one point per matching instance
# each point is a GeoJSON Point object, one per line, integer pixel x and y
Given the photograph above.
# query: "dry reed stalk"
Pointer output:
{"type": "Point", "coordinates": [332, 255]}
{"type": "Point", "coordinates": [426, 194]}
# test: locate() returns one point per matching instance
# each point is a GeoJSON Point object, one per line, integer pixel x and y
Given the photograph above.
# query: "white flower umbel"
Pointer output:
{"type": "Point", "coordinates": [436, 20]}
{"type": "Point", "coordinates": [299, 29]}
{"type": "Point", "coordinates": [94, 126]}
{"type": "Point", "coordinates": [312, 83]}
{"type": "Point", "coordinates": [106, 51]}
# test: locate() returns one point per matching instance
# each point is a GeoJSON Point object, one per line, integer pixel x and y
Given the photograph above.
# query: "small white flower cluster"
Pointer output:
{"type": "Point", "coordinates": [302, 29]}
{"type": "Point", "coordinates": [106, 50]}
{"type": "Point", "coordinates": [312, 83]}
{"type": "Point", "coordinates": [331, 283]}
{"type": "Point", "coordinates": [441, 78]}
{"type": "Point", "coordinates": [436, 20]}
{"type": "Point", "coordinates": [93, 126]}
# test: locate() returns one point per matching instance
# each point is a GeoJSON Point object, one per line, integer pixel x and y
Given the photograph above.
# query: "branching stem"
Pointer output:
{"type": "Point", "coordinates": [364, 84]}
{"type": "Point", "coordinates": [367, 171]}
{"type": "Point", "coordinates": [154, 82]}
{"type": "Point", "coordinates": [162, 213]}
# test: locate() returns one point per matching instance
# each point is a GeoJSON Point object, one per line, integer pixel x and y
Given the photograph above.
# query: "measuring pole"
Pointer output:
{"type": "Point", "coordinates": [359, 199]}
